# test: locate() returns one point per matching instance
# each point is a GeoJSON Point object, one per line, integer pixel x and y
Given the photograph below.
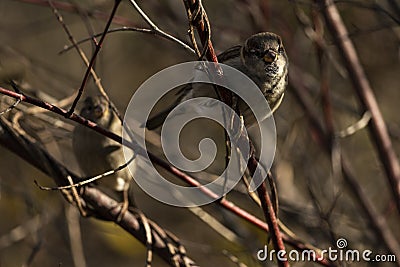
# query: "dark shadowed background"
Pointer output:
{"type": "Point", "coordinates": [316, 202]}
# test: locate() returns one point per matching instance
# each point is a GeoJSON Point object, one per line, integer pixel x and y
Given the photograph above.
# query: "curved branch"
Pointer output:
{"type": "Point", "coordinates": [101, 205]}
{"type": "Point", "coordinates": [29, 155]}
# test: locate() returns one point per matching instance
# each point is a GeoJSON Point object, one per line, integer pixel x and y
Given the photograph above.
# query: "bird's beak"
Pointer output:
{"type": "Point", "coordinates": [270, 56]}
{"type": "Point", "coordinates": [98, 111]}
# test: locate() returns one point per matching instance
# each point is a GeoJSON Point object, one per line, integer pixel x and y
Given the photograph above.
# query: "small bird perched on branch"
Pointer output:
{"type": "Point", "coordinates": [97, 154]}
{"type": "Point", "coordinates": [263, 59]}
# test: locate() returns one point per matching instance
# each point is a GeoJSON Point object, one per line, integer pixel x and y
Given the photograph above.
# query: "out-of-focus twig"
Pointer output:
{"type": "Point", "coordinates": [156, 30]}
{"type": "Point", "coordinates": [134, 29]}
{"type": "Point", "coordinates": [68, 7]}
{"type": "Point", "coordinates": [93, 59]}
{"type": "Point", "coordinates": [322, 56]}
{"type": "Point", "coordinates": [36, 161]}
{"type": "Point", "coordinates": [367, 98]}
{"type": "Point", "coordinates": [80, 52]}
{"type": "Point", "coordinates": [233, 258]}
{"type": "Point", "coordinates": [377, 221]}
{"type": "Point", "coordinates": [23, 231]}
{"type": "Point", "coordinates": [395, 6]}
{"type": "Point", "coordinates": [198, 18]}
{"type": "Point", "coordinates": [128, 25]}
{"type": "Point", "coordinates": [355, 127]}
{"type": "Point", "coordinates": [100, 205]}
{"type": "Point", "coordinates": [372, 6]}
{"type": "Point", "coordinates": [75, 236]}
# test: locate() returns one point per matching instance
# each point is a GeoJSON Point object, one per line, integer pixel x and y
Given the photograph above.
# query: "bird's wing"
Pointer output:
{"type": "Point", "coordinates": [186, 91]}
{"type": "Point", "coordinates": [233, 52]}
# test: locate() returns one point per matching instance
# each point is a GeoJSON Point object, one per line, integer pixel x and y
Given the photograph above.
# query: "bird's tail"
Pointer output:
{"type": "Point", "coordinates": [158, 119]}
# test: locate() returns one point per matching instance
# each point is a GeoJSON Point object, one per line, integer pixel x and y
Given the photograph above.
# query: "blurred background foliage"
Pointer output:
{"type": "Point", "coordinates": [315, 202]}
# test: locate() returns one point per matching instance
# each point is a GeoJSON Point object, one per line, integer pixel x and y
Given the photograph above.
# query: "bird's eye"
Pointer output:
{"type": "Point", "coordinates": [258, 53]}
{"type": "Point", "coordinates": [270, 56]}
{"type": "Point", "coordinates": [253, 51]}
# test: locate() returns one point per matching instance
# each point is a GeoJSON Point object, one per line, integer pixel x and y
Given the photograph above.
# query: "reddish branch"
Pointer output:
{"type": "Point", "coordinates": [109, 209]}
{"type": "Point", "coordinates": [204, 34]}
{"type": "Point", "coordinates": [194, 6]}
{"type": "Point", "coordinates": [298, 244]}
{"type": "Point", "coordinates": [203, 30]}
{"type": "Point", "coordinates": [270, 215]}
{"type": "Point", "coordinates": [367, 98]}
{"type": "Point", "coordinates": [101, 205]}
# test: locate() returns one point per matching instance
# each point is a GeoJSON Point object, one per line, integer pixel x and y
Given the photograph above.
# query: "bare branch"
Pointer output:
{"type": "Point", "coordinates": [367, 98]}
{"type": "Point", "coordinates": [100, 205]}
{"type": "Point", "coordinates": [35, 160]}
{"type": "Point", "coordinates": [93, 59]}
{"type": "Point", "coordinates": [378, 223]}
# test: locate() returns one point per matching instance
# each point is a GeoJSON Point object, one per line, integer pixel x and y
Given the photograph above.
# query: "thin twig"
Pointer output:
{"type": "Point", "coordinates": [80, 52]}
{"type": "Point", "coordinates": [75, 236]}
{"type": "Point", "coordinates": [68, 7]}
{"type": "Point", "coordinates": [355, 127]}
{"type": "Point", "coordinates": [134, 29]}
{"type": "Point", "coordinates": [367, 98]}
{"type": "Point", "coordinates": [380, 226]}
{"type": "Point", "coordinates": [149, 238]}
{"type": "Point", "coordinates": [298, 244]}
{"type": "Point", "coordinates": [373, 6]}
{"type": "Point", "coordinates": [22, 231]}
{"type": "Point", "coordinates": [93, 59]}
{"type": "Point", "coordinates": [87, 180]}
{"type": "Point", "coordinates": [11, 107]}
{"type": "Point", "coordinates": [233, 258]}
{"type": "Point", "coordinates": [100, 205]}
{"type": "Point", "coordinates": [270, 216]}
{"type": "Point", "coordinates": [157, 30]}
{"type": "Point", "coordinates": [198, 17]}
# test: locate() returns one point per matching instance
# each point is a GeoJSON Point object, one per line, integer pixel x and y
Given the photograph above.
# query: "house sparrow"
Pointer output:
{"type": "Point", "coordinates": [97, 154]}
{"type": "Point", "coordinates": [263, 59]}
